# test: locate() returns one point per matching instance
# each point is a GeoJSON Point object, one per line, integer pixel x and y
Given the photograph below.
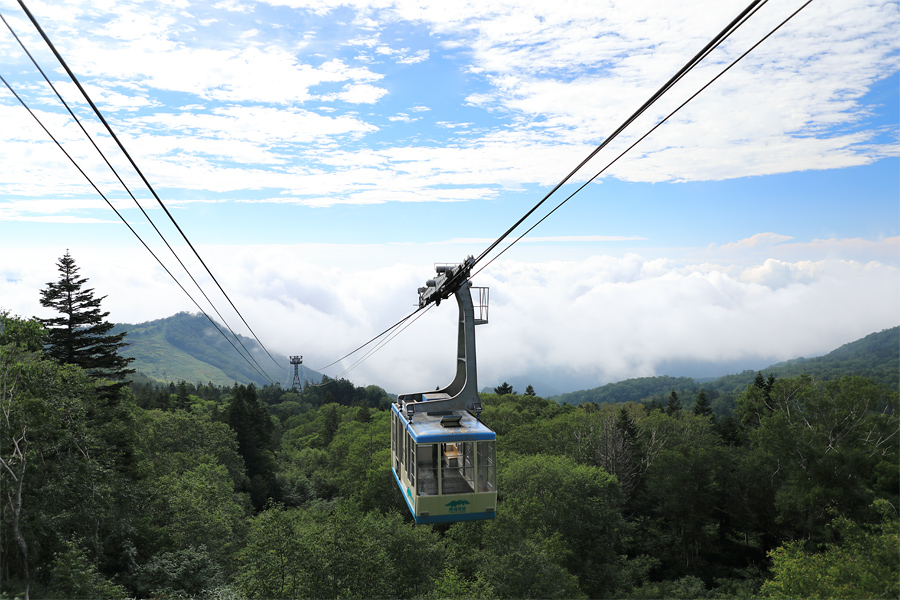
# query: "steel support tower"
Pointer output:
{"type": "Point", "coordinates": [297, 361]}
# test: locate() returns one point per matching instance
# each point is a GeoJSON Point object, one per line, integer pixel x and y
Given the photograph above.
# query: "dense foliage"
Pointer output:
{"type": "Point", "coordinates": [206, 491]}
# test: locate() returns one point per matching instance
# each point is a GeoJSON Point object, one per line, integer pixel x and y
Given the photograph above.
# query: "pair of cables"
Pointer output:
{"type": "Point", "coordinates": [643, 137]}
{"type": "Point", "coordinates": [714, 43]}
{"type": "Point", "coordinates": [247, 354]}
{"type": "Point", "coordinates": [388, 334]}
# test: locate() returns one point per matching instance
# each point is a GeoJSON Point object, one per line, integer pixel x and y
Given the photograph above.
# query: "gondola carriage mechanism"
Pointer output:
{"type": "Point", "coordinates": [442, 456]}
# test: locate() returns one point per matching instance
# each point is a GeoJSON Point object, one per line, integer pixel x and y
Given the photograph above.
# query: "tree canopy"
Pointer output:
{"type": "Point", "coordinates": [193, 490]}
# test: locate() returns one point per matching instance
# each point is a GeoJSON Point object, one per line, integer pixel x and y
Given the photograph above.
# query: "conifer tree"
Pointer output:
{"type": "Point", "coordinates": [674, 405]}
{"type": "Point", "coordinates": [182, 400]}
{"type": "Point", "coordinates": [765, 384]}
{"type": "Point", "coordinates": [80, 334]}
{"type": "Point", "coordinates": [702, 406]}
{"type": "Point", "coordinates": [654, 405]}
{"type": "Point", "coordinates": [363, 415]}
{"type": "Point", "coordinates": [620, 451]}
{"type": "Point", "coordinates": [504, 389]}
{"type": "Point", "coordinates": [253, 429]}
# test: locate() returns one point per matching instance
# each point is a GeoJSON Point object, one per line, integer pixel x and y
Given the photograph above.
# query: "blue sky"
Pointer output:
{"type": "Point", "coordinates": [324, 155]}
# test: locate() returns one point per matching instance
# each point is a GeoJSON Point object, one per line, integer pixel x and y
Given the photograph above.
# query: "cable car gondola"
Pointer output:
{"type": "Point", "coordinates": [442, 456]}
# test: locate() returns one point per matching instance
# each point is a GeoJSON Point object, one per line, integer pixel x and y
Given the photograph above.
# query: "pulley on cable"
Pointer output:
{"type": "Point", "coordinates": [442, 456]}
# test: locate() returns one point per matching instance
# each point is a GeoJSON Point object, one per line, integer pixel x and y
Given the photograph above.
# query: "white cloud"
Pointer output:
{"type": "Point", "coordinates": [105, 99]}
{"type": "Point", "coordinates": [363, 93]}
{"type": "Point", "coordinates": [320, 193]}
{"type": "Point", "coordinates": [556, 63]}
{"type": "Point", "coordinates": [233, 6]}
{"type": "Point", "coordinates": [450, 125]}
{"type": "Point", "coordinates": [479, 99]}
{"type": "Point", "coordinates": [58, 219]}
{"type": "Point", "coordinates": [557, 76]}
{"type": "Point", "coordinates": [603, 318]}
{"type": "Point", "coordinates": [34, 209]}
{"type": "Point", "coordinates": [884, 251]}
{"type": "Point", "coordinates": [258, 125]}
{"type": "Point", "coordinates": [402, 55]}
{"type": "Point", "coordinates": [760, 239]}
{"type": "Point", "coordinates": [546, 239]}
{"type": "Point", "coordinates": [617, 318]}
{"type": "Point", "coordinates": [264, 72]}
{"type": "Point", "coordinates": [416, 57]}
{"type": "Point", "coordinates": [403, 118]}
{"type": "Point", "coordinates": [368, 41]}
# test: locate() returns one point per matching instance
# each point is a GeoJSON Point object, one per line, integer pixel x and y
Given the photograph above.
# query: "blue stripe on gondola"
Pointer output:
{"type": "Point", "coordinates": [432, 438]}
{"type": "Point", "coordinates": [478, 516]}
{"type": "Point", "coordinates": [402, 492]}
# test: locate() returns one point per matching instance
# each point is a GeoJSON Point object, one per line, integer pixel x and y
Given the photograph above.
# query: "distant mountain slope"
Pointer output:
{"type": "Point", "coordinates": [186, 346]}
{"type": "Point", "coordinates": [876, 356]}
{"type": "Point", "coordinates": [631, 390]}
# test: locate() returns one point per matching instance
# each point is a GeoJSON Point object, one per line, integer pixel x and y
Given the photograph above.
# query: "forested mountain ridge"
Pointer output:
{"type": "Point", "coordinates": [876, 356]}
{"type": "Point", "coordinates": [186, 347]}
{"type": "Point", "coordinates": [630, 390]}
{"type": "Point", "coordinates": [228, 492]}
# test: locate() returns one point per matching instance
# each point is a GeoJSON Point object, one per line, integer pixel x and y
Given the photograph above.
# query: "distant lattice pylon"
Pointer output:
{"type": "Point", "coordinates": [297, 361]}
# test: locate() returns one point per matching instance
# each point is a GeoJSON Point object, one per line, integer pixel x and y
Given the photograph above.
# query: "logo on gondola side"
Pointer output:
{"type": "Point", "coordinates": [457, 506]}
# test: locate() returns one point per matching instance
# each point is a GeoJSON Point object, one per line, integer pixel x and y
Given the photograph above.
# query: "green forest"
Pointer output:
{"type": "Point", "coordinates": [206, 491]}
{"type": "Point", "coordinates": [876, 357]}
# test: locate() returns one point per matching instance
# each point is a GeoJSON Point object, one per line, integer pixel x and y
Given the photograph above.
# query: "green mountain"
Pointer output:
{"type": "Point", "coordinates": [876, 356]}
{"type": "Point", "coordinates": [187, 346]}
{"type": "Point", "coordinates": [632, 390]}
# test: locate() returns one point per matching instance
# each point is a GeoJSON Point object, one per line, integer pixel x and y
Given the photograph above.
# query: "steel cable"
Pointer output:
{"type": "Point", "coordinates": [128, 190]}
{"type": "Point", "coordinates": [693, 62]}
{"type": "Point", "coordinates": [654, 128]}
{"type": "Point", "coordinates": [138, 171]}
{"type": "Point", "coordinates": [122, 218]}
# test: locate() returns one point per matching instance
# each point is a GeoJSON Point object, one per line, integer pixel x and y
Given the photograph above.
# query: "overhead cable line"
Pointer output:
{"type": "Point", "coordinates": [139, 172]}
{"type": "Point", "coordinates": [379, 346]}
{"type": "Point", "coordinates": [654, 128]}
{"type": "Point", "coordinates": [352, 352]}
{"type": "Point", "coordinates": [118, 214]}
{"type": "Point", "coordinates": [124, 185]}
{"type": "Point", "coordinates": [387, 340]}
{"type": "Point", "coordinates": [693, 62]}
{"type": "Point", "coordinates": [748, 12]}
{"type": "Point", "coordinates": [739, 20]}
